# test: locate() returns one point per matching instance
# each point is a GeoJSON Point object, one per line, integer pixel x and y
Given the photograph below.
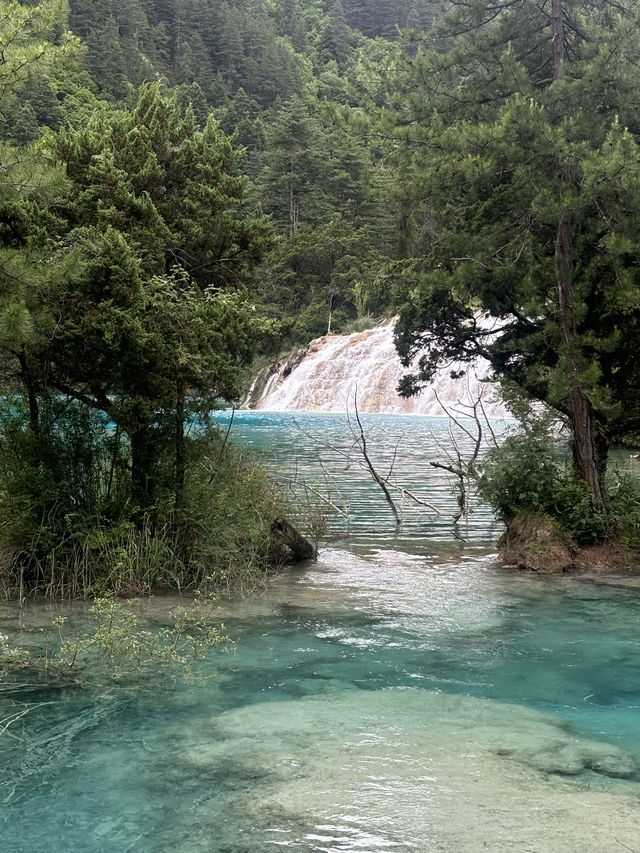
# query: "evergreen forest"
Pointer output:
{"type": "Point", "coordinates": [192, 188]}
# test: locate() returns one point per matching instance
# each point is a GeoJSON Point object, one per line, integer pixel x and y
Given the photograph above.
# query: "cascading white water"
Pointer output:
{"type": "Point", "coordinates": [336, 368]}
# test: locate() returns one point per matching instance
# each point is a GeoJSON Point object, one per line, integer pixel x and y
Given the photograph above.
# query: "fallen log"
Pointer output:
{"type": "Point", "coordinates": [286, 534]}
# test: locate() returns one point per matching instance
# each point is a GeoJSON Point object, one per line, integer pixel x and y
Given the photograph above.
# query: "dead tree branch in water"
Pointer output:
{"type": "Point", "coordinates": [464, 470]}
{"type": "Point", "coordinates": [312, 507]}
{"type": "Point", "coordinates": [358, 454]}
{"type": "Point", "coordinates": [327, 501]}
{"type": "Point", "coordinates": [361, 440]}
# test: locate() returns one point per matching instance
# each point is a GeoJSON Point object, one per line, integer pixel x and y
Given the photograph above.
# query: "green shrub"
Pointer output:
{"type": "Point", "coordinates": [624, 490]}
{"type": "Point", "coordinates": [68, 527]}
{"type": "Point", "coordinates": [225, 524]}
{"type": "Point", "coordinates": [531, 473]}
{"type": "Point", "coordinates": [360, 324]}
{"type": "Point", "coordinates": [62, 484]}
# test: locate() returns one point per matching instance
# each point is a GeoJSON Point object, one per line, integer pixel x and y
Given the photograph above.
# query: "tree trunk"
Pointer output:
{"type": "Point", "coordinates": [143, 461]}
{"type": "Point", "coordinates": [301, 549]}
{"type": "Point", "coordinates": [588, 447]}
{"type": "Point", "coordinates": [293, 205]}
{"type": "Point", "coordinates": [557, 30]}
{"type": "Point", "coordinates": [32, 397]}
{"type": "Point", "coordinates": [588, 444]}
{"type": "Point", "coordinates": [180, 449]}
{"type": "Point", "coordinates": [332, 297]}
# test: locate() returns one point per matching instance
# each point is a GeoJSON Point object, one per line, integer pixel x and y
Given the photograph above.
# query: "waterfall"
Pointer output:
{"type": "Point", "coordinates": [327, 375]}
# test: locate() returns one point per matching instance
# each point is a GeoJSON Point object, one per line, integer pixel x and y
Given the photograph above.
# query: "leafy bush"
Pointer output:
{"type": "Point", "coordinates": [624, 490]}
{"type": "Point", "coordinates": [531, 473]}
{"type": "Point", "coordinates": [225, 524]}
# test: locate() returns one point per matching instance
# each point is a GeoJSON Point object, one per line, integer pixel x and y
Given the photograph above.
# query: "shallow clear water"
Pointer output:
{"type": "Point", "coordinates": [380, 700]}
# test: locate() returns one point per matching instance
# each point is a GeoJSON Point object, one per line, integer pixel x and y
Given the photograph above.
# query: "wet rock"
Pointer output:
{"type": "Point", "coordinates": [273, 374]}
{"type": "Point", "coordinates": [466, 774]}
{"type": "Point", "coordinates": [573, 757]}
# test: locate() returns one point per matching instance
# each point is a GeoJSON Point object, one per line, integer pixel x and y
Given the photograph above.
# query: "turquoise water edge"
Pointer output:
{"type": "Point", "coordinates": [404, 693]}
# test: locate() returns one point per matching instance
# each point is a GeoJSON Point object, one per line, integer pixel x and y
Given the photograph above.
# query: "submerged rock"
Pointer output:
{"type": "Point", "coordinates": [573, 757]}
{"type": "Point", "coordinates": [406, 769]}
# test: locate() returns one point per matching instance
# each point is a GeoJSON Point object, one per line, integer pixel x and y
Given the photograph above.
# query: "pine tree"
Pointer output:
{"type": "Point", "coordinates": [154, 302]}
{"type": "Point", "coordinates": [530, 161]}
{"type": "Point", "coordinates": [335, 40]}
{"type": "Point", "coordinates": [106, 60]}
{"type": "Point", "coordinates": [292, 183]}
{"type": "Point", "coordinates": [33, 44]}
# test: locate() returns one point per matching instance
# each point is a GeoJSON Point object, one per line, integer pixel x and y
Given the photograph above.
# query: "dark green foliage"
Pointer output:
{"type": "Point", "coordinates": [293, 182]}
{"type": "Point", "coordinates": [73, 474]}
{"type": "Point", "coordinates": [106, 59]}
{"type": "Point", "coordinates": [531, 168]}
{"type": "Point", "coordinates": [173, 188]}
{"type": "Point", "coordinates": [161, 251]}
{"type": "Point", "coordinates": [127, 250]}
{"type": "Point", "coordinates": [218, 45]}
{"type": "Point", "coordinates": [530, 473]}
{"type": "Point", "coordinates": [318, 185]}
{"type": "Point", "coordinates": [624, 489]}
{"type": "Point", "coordinates": [136, 268]}
{"type": "Point", "coordinates": [335, 42]}
{"type": "Point", "coordinates": [65, 511]}
{"type": "Point", "coordinates": [270, 72]}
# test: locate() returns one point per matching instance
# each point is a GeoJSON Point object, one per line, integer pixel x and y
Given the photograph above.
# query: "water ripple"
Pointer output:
{"type": "Point", "coordinates": [308, 449]}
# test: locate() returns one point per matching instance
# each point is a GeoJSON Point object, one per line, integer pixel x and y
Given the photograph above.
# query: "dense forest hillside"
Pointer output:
{"type": "Point", "coordinates": [271, 49]}
{"type": "Point", "coordinates": [274, 74]}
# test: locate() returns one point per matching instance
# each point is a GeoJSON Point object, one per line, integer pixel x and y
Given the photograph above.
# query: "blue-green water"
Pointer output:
{"type": "Point", "coordinates": [403, 693]}
{"type": "Point", "coordinates": [318, 450]}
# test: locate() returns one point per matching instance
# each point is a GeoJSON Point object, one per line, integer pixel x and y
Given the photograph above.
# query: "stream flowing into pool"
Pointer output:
{"type": "Point", "coordinates": [401, 694]}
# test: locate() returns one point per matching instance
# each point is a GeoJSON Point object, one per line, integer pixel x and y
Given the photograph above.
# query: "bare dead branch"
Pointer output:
{"type": "Point", "coordinates": [370, 466]}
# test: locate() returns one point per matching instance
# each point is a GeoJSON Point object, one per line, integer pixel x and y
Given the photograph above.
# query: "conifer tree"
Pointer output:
{"type": "Point", "coordinates": [292, 185]}
{"type": "Point", "coordinates": [335, 41]}
{"type": "Point", "coordinates": [33, 42]}
{"type": "Point", "coordinates": [154, 304]}
{"type": "Point", "coordinates": [525, 134]}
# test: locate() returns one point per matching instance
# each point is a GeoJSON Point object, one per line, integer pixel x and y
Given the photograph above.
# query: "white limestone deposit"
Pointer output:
{"type": "Point", "coordinates": [402, 769]}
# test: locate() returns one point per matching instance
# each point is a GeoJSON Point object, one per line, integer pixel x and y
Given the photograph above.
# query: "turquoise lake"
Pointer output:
{"type": "Point", "coordinates": [404, 693]}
